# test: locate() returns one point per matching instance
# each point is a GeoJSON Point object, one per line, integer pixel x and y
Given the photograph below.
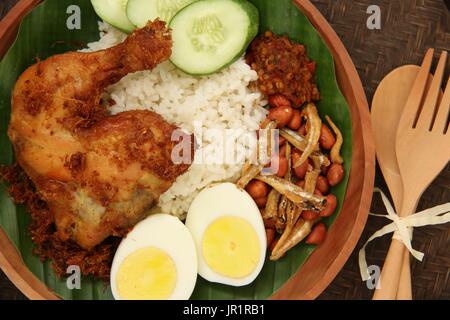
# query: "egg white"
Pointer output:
{"type": "Point", "coordinates": [170, 235]}
{"type": "Point", "coordinates": [217, 201]}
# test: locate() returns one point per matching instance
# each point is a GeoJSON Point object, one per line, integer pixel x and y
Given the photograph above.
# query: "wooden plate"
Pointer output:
{"type": "Point", "coordinates": [328, 259]}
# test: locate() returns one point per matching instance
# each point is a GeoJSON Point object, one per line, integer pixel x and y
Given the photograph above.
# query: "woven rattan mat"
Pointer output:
{"type": "Point", "coordinates": [408, 28]}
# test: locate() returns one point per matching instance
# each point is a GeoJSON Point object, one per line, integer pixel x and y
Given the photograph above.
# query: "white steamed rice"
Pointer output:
{"type": "Point", "coordinates": [220, 101]}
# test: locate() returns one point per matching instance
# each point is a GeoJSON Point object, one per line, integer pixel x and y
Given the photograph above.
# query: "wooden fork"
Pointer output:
{"type": "Point", "coordinates": [423, 150]}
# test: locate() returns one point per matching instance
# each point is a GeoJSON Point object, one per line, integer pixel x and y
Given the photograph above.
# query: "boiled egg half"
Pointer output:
{"type": "Point", "coordinates": [229, 234]}
{"type": "Point", "coordinates": [156, 261]}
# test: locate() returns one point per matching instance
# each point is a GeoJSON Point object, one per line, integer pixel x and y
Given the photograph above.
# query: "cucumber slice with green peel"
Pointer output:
{"type": "Point", "coordinates": [139, 12]}
{"type": "Point", "coordinates": [115, 13]}
{"type": "Point", "coordinates": [209, 35]}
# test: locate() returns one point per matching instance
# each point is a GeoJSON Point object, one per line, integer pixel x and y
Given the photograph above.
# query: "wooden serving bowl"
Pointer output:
{"type": "Point", "coordinates": [329, 258]}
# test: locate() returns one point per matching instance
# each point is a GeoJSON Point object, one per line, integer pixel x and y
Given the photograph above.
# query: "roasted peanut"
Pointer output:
{"type": "Point", "coordinates": [257, 189]}
{"type": "Point", "coordinates": [322, 185]}
{"type": "Point", "coordinates": [282, 115]}
{"type": "Point", "coordinates": [327, 140]}
{"type": "Point", "coordinates": [282, 152]}
{"type": "Point", "coordinates": [296, 121]}
{"type": "Point", "coordinates": [310, 215]}
{"type": "Point", "coordinates": [300, 171]}
{"type": "Point", "coordinates": [300, 183]}
{"type": "Point", "coordinates": [303, 130]}
{"type": "Point", "coordinates": [261, 202]}
{"type": "Point", "coordinates": [281, 141]}
{"type": "Point", "coordinates": [318, 235]}
{"type": "Point", "coordinates": [330, 206]}
{"type": "Point", "coordinates": [273, 245]}
{"type": "Point", "coordinates": [335, 174]}
{"type": "Point", "coordinates": [278, 100]}
{"type": "Point", "coordinates": [317, 192]}
{"type": "Point", "coordinates": [269, 223]}
{"type": "Point", "coordinates": [282, 167]}
{"type": "Point", "coordinates": [270, 235]}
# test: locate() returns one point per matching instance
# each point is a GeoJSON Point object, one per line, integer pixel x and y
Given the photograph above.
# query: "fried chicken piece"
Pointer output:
{"type": "Point", "coordinates": [98, 173]}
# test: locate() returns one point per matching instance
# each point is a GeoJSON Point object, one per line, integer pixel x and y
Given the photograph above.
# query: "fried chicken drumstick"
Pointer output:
{"type": "Point", "coordinates": [98, 173]}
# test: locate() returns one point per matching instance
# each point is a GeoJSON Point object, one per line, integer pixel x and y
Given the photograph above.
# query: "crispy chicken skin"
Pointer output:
{"type": "Point", "coordinates": [98, 173]}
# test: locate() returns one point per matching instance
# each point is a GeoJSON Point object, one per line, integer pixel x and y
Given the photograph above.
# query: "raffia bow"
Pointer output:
{"type": "Point", "coordinates": [402, 228]}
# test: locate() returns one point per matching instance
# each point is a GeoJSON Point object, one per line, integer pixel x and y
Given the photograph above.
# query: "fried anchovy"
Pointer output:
{"type": "Point", "coordinates": [294, 138]}
{"type": "Point", "coordinates": [272, 204]}
{"type": "Point", "coordinates": [281, 215]}
{"type": "Point", "coordinates": [336, 150]}
{"type": "Point", "coordinates": [312, 138]}
{"type": "Point", "coordinates": [250, 170]}
{"type": "Point", "coordinates": [311, 180]}
{"type": "Point", "coordinates": [300, 231]}
{"type": "Point", "coordinates": [294, 192]}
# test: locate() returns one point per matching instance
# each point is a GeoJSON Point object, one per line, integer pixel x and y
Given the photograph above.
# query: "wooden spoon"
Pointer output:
{"type": "Point", "coordinates": [420, 156]}
{"type": "Point", "coordinates": [387, 108]}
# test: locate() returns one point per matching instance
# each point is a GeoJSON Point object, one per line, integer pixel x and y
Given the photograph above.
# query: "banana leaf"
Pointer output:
{"type": "Point", "coordinates": [44, 32]}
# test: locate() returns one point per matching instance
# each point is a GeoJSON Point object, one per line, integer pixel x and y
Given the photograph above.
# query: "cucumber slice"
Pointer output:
{"type": "Point", "coordinates": [139, 12]}
{"type": "Point", "coordinates": [114, 12]}
{"type": "Point", "coordinates": [209, 35]}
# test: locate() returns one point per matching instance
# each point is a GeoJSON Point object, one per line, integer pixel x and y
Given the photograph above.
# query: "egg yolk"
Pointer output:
{"type": "Point", "coordinates": [146, 274]}
{"type": "Point", "coordinates": [231, 247]}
